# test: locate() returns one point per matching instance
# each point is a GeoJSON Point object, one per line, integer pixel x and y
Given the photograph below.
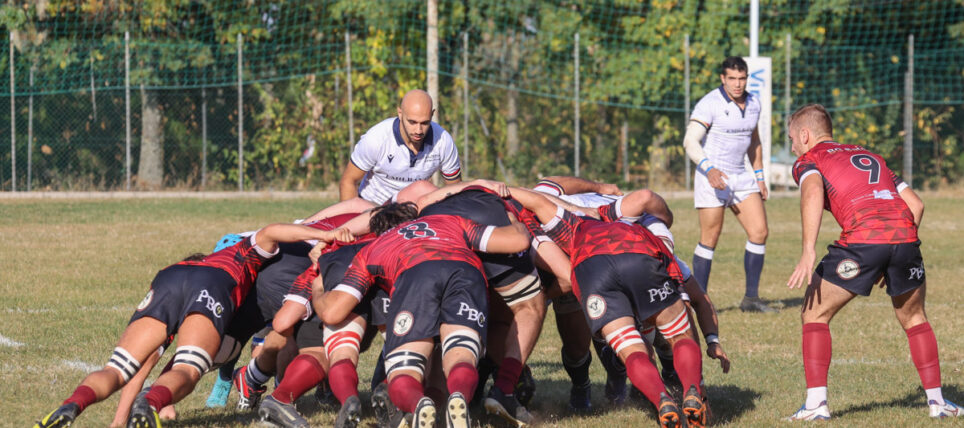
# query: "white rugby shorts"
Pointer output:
{"type": "Point", "coordinates": [738, 188]}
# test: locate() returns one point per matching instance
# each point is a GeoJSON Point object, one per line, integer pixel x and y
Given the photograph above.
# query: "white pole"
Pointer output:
{"type": "Point", "coordinates": [204, 137]}
{"type": "Point", "coordinates": [13, 123]}
{"type": "Point", "coordinates": [432, 55]}
{"type": "Point", "coordinates": [754, 28]}
{"type": "Point", "coordinates": [351, 111]}
{"type": "Point", "coordinates": [465, 103]}
{"type": "Point", "coordinates": [575, 103]}
{"type": "Point", "coordinates": [240, 122]}
{"type": "Point", "coordinates": [909, 114]}
{"type": "Point", "coordinates": [30, 133]}
{"type": "Point", "coordinates": [686, 98]}
{"type": "Point", "coordinates": [127, 105]}
{"type": "Point", "coordinates": [787, 98]}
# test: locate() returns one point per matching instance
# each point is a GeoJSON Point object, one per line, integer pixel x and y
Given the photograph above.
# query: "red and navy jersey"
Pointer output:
{"type": "Point", "coordinates": [434, 237]}
{"type": "Point", "coordinates": [484, 206]}
{"type": "Point", "coordinates": [242, 261]}
{"type": "Point", "coordinates": [583, 238]}
{"type": "Point", "coordinates": [861, 193]}
{"type": "Point", "coordinates": [302, 284]}
{"type": "Point", "coordinates": [328, 267]}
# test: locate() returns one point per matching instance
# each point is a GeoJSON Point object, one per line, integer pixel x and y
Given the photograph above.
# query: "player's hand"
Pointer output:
{"type": "Point", "coordinates": [343, 234]}
{"type": "Point", "coordinates": [715, 350]}
{"type": "Point", "coordinates": [609, 189]}
{"type": "Point", "coordinates": [495, 186]}
{"type": "Point", "coordinates": [315, 253]}
{"type": "Point", "coordinates": [764, 193]}
{"type": "Point", "coordinates": [716, 177]}
{"type": "Point", "coordinates": [801, 274]}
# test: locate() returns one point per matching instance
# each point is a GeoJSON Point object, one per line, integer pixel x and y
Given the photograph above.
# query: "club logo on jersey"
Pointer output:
{"type": "Point", "coordinates": [848, 269]}
{"type": "Point", "coordinates": [390, 157]}
{"type": "Point", "coordinates": [663, 292]}
{"type": "Point", "coordinates": [403, 323]}
{"type": "Point", "coordinates": [146, 301]}
{"type": "Point", "coordinates": [416, 230]}
{"type": "Point", "coordinates": [472, 314]}
{"type": "Point", "coordinates": [211, 303]}
{"type": "Point", "coordinates": [916, 272]}
{"type": "Point", "coordinates": [595, 307]}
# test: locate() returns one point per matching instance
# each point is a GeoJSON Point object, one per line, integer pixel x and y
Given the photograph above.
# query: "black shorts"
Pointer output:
{"type": "Point", "coordinates": [275, 278]}
{"type": "Point", "coordinates": [502, 270]}
{"type": "Point", "coordinates": [432, 293]}
{"type": "Point", "coordinates": [380, 302]}
{"type": "Point", "coordinates": [310, 333]}
{"type": "Point", "coordinates": [613, 286]}
{"type": "Point", "coordinates": [247, 319]}
{"type": "Point", "coordinates": [180, 290]}
{"type": "Point", "coordinates": [857, 267]}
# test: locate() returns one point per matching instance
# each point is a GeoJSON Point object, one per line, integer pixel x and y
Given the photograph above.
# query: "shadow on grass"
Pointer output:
{"type": "Point", "coordinates": [913, 400]}
{"type": "Point", "coordinates": [228, 416]}
{"type": "Point", "coordinates": [729, 402]}
{"type": "Point", "coordinates": [779, 304]}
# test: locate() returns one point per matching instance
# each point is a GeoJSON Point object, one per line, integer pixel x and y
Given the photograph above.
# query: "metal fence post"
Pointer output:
{"type": "Point", "coordinates": [13, 123]}
{"type": "Point", "coordinates": [127, 105]}
{"type": "Point", "coordinates": [431, 53]}
{"type": "Point", "coordinates": [787, 98]}
{"type": "Point", "coordinates": [686, 100]}
{"type": "Point", "coordinates": [575, 103]}
{"type": "Point", "coordinates": [204, 137]}
{"type": "Point", "coordinates": [351, 111]}
{"type": "Point", "coordinates": [240, 122]}
{"type": "Point", "coordinates": [30, 133]}
{"type": "Point", "coordinates": [465, 103]}
{"type": "Point", "coordinates": [909, 114]}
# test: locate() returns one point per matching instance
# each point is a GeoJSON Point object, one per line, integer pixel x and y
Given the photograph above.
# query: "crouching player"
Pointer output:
{"type": "Point", "coordinates": [622, 274]}
{"type": "Point", "coordinates": [437, 288]}
{"type": "Point", "coordinates": [196, 300]}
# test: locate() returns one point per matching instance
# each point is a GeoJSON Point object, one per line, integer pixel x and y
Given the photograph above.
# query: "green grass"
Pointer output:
{"type": "Point", "coordinates": [73, 270]}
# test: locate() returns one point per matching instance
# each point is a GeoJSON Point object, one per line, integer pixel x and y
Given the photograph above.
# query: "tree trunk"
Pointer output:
{"type": "Point", "coordinates": [512, 101]}
{"type": "Point", "coordinates": [150, 169]}
{"type": "Point", "coordinates": [657, 156]}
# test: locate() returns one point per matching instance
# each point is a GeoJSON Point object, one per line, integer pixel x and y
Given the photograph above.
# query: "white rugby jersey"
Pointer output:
{"type": "Point", "coordinates": [730, 128]}
{"type": "Point", "coordinates": [391, 165]}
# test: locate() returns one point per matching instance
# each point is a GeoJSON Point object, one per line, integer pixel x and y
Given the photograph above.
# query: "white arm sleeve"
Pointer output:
{"type": "Point", "coordinates": [695, 132]}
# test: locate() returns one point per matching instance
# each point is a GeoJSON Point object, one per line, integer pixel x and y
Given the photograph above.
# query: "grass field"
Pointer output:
{"type": "Point", "coordinates": [73, 270]}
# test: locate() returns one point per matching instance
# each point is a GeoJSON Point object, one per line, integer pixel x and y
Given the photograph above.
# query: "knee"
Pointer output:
{"type": "Point", "coordinates": [758, 235]}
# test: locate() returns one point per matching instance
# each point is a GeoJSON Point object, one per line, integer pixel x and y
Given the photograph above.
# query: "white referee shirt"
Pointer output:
{"type": "Point", "coordinates": [730, 128]}
{"type": "Point", "coordinates": [391, 165]}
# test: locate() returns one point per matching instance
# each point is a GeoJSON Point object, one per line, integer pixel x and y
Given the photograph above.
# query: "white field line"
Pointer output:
{"type": "Point", "coordinates": [5, 341]}
{"type": "Point", "coordinates": [80, 365]}
{"type": "Point", "coordinates": [114, 308]}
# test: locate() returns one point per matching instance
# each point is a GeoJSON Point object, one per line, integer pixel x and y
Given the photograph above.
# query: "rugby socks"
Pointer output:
{"type": "Point", "coordinates": [158, 397]}
{"type": "Point", "coordinates": [578, 370]}
{"type": "Point", "coordinates": [507, 376]}
{"type": "Point", "coordinates": [303, 373]}
{"type": "Point", "coordinates": [923, 350]}
{"type": "Point", "coordinates": [83, 396]}
{"type": "Point", "coordinates": [753, 266]}
{"type": "Point", "coordinates": [226, 372]}
{"type": "Point", "coordinates": [254, 375]}
{"type": "Point", "coordinates": [610, 361]}
{"type": "Point", "coordinates": [463, 378]}
{"type": "Point", "coordinates": [343, 379]}
{"type": "Point", "coordinates": [816, 353]}
{"type": "Point", "coordinates": [644, 376]}
{"type": "Point", "coordinates": [405, 391]}
{"type": "Point", "coordinates": [702, 262]}
{"type": "Point", "coordinates": [688, 363]}
{"type": "Point", "coordinates": [378, 376]}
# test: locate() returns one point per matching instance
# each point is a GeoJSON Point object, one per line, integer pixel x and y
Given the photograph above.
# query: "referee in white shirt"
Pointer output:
{"type": "Point", "coordinates": [399, 151]}
{"type": "Point", "coordinates": [725, 122]}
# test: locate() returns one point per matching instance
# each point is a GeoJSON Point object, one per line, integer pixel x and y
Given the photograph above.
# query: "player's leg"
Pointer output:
{"type": "Point", "coordinates": [304, 372]}
{"type": "Point", "coordinates": [250, 380]}
{"type": "Point", "coordinates": [528, 308]}
{"type": "Point", "coordinates": [342, 346]}
{"type": "Point", "coordinates": [711, 224]}
{"type": "Point", "coordinates": [673, 324]}
{"type": "Point", "coordinates": [576, 355]}
{"type": "Point", "coordinates": [405, 365]}
{"type": "Point", "coordinates": [460, 355]}
{"type": "Point", "coordinates": [752, 216]}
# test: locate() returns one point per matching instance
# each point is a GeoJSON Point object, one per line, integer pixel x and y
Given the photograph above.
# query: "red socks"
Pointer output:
{"type": "Point", "coordinates": [343, 379]}
{"type": "Point", "coordinates": [923, 350]}
{"type": "Point", "coordinates": [158, 397]}
{"type": "Point", "coordinates": [507, 377]}
{"type": "Point", "coordinates": [688, 363]}
{"type": "Point", "coordinates": [405, 392]}
{"type": "Point", "coordinates": [644, 376]}
{"type": "Point", "coordinates": [464, 377]}
{"type": "Point", "coordinates": [83, 396]}
{"type": "Point", "coordinates": [816, 353]}
{"type": "Point", "coordinates": [302, 374]}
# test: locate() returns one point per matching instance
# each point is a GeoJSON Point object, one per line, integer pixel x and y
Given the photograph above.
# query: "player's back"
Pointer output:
{"type": "Point", "coordinates": [474, 203]}
{"type": "Point", "coordinates": [861, 193]}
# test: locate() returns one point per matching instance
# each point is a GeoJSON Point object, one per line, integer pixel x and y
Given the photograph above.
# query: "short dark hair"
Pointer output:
{"type": "Point", "coordinates": [813, 117]}
{"type": "Point", "coordinates": [196, 257]}
{"type": "Point", "coordinates": [733, 63]}
{"type": "Point", "coordinates": [390, 215]}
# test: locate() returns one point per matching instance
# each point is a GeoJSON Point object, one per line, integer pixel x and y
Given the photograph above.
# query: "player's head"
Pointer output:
{"type": "Point", "coordinates": [415, 115]}
{"type": "Point", "coordinates": [733, 73]}
{"type": "Point", "coordinates": [808, 126]}
{"type": "Point", "coordinates": [390, 215]}
{"type": "Point", "coordinates": [416, 190]}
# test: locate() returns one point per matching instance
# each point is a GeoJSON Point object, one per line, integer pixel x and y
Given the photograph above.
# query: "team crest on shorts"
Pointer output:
{"type": "Point", "coordinates": [595, 307]}
{"type": "Point", "coordinates": [146, 301]}
{"type": "Point", "coordinates": [403, 323]}
{"type": "Point", "coordinates": [848, 269]}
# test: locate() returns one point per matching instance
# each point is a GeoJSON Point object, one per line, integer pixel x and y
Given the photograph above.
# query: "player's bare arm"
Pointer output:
{"type": "Point", "coordinates": [269, 237]}
{"type": "Point", "coordinates": [646, 201]}
{"type": "Point", "coordinates": [573, 185]}
{"type": "Point", "coordinates": [913, 202]}
{"type": "Point", "coordinates": [709, 323]}
{"type": "Point", "coordinates": [543, 208]}
{"type": "Point", "coordinates": [811, 212]}
{"type": "Point", "coordinates": [755, 154]}
{"type": "Point", "coordinates": [285, 319]}
{"type": "Point", "coordinates": [352, 205]}
{"type": "Point", "coordinates": [508, 239]}
{"type": "Point", "coordinates": [333, 306]}
{"type": "Point", "coordinates": [350, 177]}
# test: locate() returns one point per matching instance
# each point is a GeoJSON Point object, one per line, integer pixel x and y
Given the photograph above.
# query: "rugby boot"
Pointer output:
{"type": "Point", "coordinates": [819, 413]}
{"type": "Point", "coordinates": [668, 412]}
{"type": "Point", "coordinates": [61, 418]}
{"type": "Point", "coordinates": [142, 414]}
{"type": "Point", "coordinates": [219, 393]}
{"type": "Point", "coordinates": [755, 304]}
{"type": "Point", "coordinates": [326, 399]}
{"type": "Point", "coordinates": [580, 398]}
{"type": "Point", "coordinates": [457, 412]}
{"type": "Point", "coordinates": [424, 416]}
{"type": "Point", "coordinates": [946, 410]}
{"type": "Point", "coordinates": [694, 409]}
{"type": "Point", "coordinates": [385, 410]}
{"type": "Point", "coordinates": [281, 414]}
{"type": "Point", "coordinates": [350, 414]}
{"type": "Point", "coordinates": [507, 407]}
{"type": "Point", "coordinates": [248, 395]}
{"type": "Point", "coordinates": [525, 389]}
